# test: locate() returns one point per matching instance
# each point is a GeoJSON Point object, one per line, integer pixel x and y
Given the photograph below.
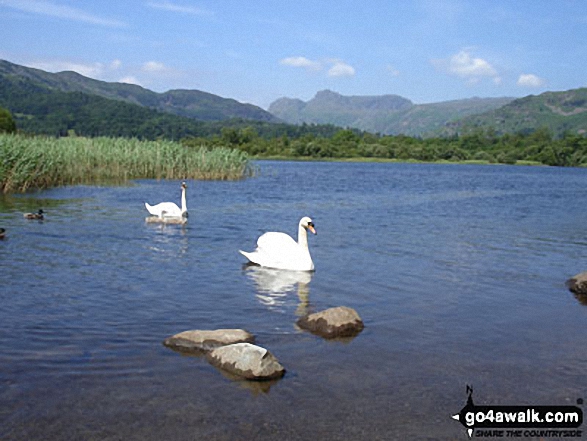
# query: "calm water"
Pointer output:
{"type": "Point", "coordinates": [457, 271]}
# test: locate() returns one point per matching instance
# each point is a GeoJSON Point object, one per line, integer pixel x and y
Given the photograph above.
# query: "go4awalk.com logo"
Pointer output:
{"type": "Point", "coordinates": [520, 421]}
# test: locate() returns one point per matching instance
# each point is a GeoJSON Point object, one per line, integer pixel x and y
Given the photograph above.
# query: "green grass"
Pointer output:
{"type": "Point", "coordinates": [43, 162]}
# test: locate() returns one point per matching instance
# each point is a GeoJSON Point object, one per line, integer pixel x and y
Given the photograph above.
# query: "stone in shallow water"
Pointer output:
{"type": "Point", "coordinates": [333, 322]}
{"type": "Point", "coordinates": [202, 340]}
{"type": "Point", "coordinates": [578, 284]}
{"type": "Point", "coordinates": [246, 361]}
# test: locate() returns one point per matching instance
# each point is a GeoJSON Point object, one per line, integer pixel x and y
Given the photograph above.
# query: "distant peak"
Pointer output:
{"type": "Point", "coordinates": [326, 93]}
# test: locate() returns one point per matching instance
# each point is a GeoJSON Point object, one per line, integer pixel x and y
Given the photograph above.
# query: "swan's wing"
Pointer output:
{"type": "Point", "coordinates": [279, 242]}
{"type": "Point", "coordinates": [278, 250]}
{"type": "Point", "coordinates": [168, 209]}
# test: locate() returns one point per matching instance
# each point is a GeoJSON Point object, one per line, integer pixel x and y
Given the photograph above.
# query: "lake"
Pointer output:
{"type": "Point", "coordinates": [458, 272]}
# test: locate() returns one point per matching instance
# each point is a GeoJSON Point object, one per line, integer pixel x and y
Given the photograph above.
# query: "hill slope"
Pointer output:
{"type": "Point", "coordinates": [39, 109]}
{"type": "Point", "coordinates": [387, 114]}
{"type": "Point", "coordinates": [560, 112]}
{"type": "Point", "coordinates": [189, 103]}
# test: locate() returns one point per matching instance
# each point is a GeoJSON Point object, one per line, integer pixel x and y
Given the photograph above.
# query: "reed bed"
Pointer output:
{"type": "Point", "coordinates": [43, 162]}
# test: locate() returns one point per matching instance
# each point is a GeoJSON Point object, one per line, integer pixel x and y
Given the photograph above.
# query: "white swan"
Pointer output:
{"type": "Point", "coordinates": [279, 250]}
{"type": "Point", "coordinates": [170, 209]}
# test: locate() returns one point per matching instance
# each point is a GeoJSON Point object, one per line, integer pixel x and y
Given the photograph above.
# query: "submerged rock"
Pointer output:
{"type": "Point", "coordinates": [332, 323]}
{"type": "Point", "coordinates": [246, 361]}
{"type": "Point", "coordinates": [203, 341]}
{"type": "Point", "coordinates": [578, 284]}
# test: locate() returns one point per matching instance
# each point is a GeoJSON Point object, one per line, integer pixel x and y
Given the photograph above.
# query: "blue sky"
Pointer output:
{"type": "Point", "coordinates": [257, 51]}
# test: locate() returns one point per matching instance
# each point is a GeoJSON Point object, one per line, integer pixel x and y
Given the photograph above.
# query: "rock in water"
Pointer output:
{"type": "Point", "coordinates": [202, 341]}
{"type": "Point", "coordinates": [334, 322]}
{"type": "Point", "coordinates": [247, 361]}
{"type": "Point", "coordinates": [578, 284]}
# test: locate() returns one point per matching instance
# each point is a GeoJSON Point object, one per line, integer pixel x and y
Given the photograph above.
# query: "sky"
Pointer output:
{"type": "Point", "coordinates": [257, 51]}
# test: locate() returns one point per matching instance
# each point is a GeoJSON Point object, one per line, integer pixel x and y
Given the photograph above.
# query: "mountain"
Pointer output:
{"type": "Point", "coordinates": [37, 108]}
{"type": "Point", "coordinates": [559, 112]}
{"type": "Point", "coordinates": [387, 114]}
{"type": "Point", "coordinates": [329, 107]}
{"type": "Point", "coordinates": [188, 103]}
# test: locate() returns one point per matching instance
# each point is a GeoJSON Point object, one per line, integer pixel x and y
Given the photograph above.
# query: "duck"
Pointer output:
{"type": "Point", "coordinates": [38, 215]}
{"type": "Point", "coordinates": [2, 233]}
{"type": "Point", "coordinates": [170, 209]}
{"type": "Point", "coordinates": [281, 251]}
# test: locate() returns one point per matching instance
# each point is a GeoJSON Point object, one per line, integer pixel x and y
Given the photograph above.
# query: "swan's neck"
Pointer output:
{"type": "Point", "coordinates": [184, 207]}
{"type": "Point", "coordinates": [302, 237]}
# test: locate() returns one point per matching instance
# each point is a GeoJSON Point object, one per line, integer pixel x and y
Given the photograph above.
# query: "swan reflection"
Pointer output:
{"type": "Point", "coordinates": [274, 285]}
{"type": "Point", "coordinates": [168, 240]}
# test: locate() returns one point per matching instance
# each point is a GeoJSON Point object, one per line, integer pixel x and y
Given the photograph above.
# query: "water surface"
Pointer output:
{"type": "Point", "coordinates": [458, 272]}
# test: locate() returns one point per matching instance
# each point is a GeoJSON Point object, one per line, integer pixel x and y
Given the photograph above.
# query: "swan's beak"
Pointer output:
{"type": "Point", "coordinates": [311, 228]}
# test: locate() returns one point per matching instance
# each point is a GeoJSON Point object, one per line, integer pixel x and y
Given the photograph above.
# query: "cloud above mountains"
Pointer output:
{"type": "Point", "coordinates": [333, 66]}
{"type": "Point", "coordinates": [474, 70]}
{"type": "Point", "coordinates": [468, 67]}
{"type": "Point", "coordinates": [301, 62]}
{"type": "Point", "coordinates": [341, 69]}
{"type": "Point", "coordinates": [530, 80]}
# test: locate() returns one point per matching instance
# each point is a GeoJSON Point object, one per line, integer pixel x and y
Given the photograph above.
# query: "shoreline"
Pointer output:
{"type": "Point", "coordinates": [361, 159]}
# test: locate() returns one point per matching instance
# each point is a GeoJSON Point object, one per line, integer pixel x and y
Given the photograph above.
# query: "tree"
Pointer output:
{"type": "Point", "coordinates": [7, 124]}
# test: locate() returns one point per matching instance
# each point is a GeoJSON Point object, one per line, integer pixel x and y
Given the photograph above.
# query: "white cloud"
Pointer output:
{"type": "Point", "coordinates": [468, 67]}
{"type": "Point", "coordinates": [463, 65]}
{"type": "Point", "coordinates": [52, 9]}
{"type": "Point", "coordinates": [341, 69]}
{"type": "Point", "coordinates": [172, 7]}
{"type": "Point", "coordinates": [336, 68]}
{"type": "Point", "coordinates": [302, 62]}
{"type": "Point", "coordinates": [153, 66]}
{"type": "Point", "coordinates": [530, 80]}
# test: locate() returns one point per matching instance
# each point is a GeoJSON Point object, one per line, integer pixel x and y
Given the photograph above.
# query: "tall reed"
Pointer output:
{"type": "Point", "coordinates": [42, 162]}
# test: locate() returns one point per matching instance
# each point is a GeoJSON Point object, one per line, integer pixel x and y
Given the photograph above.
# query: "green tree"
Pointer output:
{"type": "Point", "coordinates": [7, 124]}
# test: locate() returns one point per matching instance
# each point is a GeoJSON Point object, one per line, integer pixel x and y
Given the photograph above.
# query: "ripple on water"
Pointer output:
{"type": "Point", "coordinates": [457, 272]}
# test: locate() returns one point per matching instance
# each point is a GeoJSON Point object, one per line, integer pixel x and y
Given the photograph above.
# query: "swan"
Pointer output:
{"type": "Point", "coordinates": [170, 209]}
{"type": "Point", "coordinates": [38, 215]}
{"type": "Point", "coordinates": [279, 250]}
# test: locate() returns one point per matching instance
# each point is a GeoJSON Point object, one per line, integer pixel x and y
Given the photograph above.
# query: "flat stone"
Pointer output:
{"type": "Point", "coordinates": [333, 322]}
{"type": "Point", "coordinates": [578, 284]}
{"type": "Point", "coordinates": [166, 220]}
{"type": "Point", "coordinates": [247, 361]}
{"type": "Point", "coordinates": [203, 341]}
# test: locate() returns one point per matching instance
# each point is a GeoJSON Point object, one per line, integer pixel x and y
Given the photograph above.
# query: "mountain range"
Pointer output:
{"type": "Point", "coordinates": [54, 103]}
{"type": "Point", "coordinates": [195, 104]}
{"type": "Point", "coordinates": [387, 114]}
